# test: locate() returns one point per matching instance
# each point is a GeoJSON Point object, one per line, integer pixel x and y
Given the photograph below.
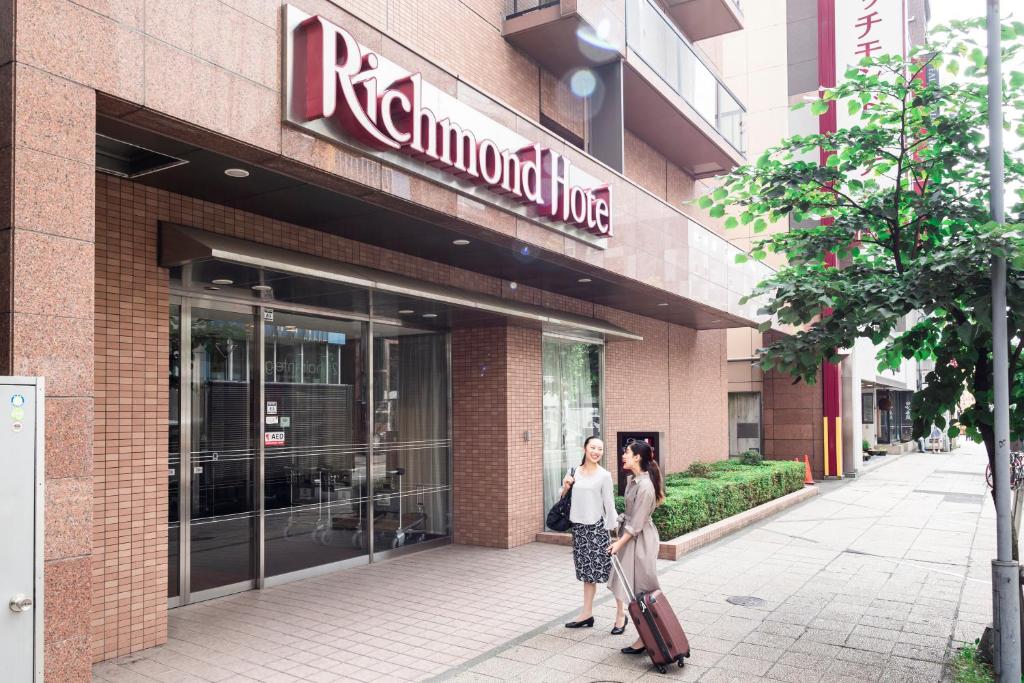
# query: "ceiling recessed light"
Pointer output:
{"type": "Point", "coordinates": [430, 315]}
{"type": "Point", "coordinates": [236, 172]}
{"type": "Point", "coordinates": [460, 243]}
{"type": "Point", "coordinates": [223, 281]}
{"type": "Point", "coordinates": [262, 288]}
{"type": "Point", "coordinates": [663, 303]}
{"type": "Point", "coordinates": [406, 311]}
{"type": "Point", "coordinates": [584, 280]}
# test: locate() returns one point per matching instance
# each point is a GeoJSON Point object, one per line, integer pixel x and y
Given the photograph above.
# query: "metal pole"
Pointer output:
{"type": "Point", "coordinates": [1005, 572]}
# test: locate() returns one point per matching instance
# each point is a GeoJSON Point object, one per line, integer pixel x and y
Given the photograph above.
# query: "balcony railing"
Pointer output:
{"type": "Point", "coordinates": [653, 37]}
{"type": "Point", "coordinates": [513, 8]}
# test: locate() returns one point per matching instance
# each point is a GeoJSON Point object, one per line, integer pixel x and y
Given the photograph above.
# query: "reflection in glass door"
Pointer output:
{"type": "Point", "coordinates": [315, 492]}
{"type": "Point", "coordinates": [572, 407]}
{"type": "Point", "coordinates": [411, 444]}
{"type": "Point", "coordinates": [219, 472]}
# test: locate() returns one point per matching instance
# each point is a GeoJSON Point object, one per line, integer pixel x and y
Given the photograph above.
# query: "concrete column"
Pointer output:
{"type": "Point", "coordinates": [497, 435]}
{"type": "Point", "coordinates": [851, 404]}
{"type": "Point", "coordinates": [47, 319]}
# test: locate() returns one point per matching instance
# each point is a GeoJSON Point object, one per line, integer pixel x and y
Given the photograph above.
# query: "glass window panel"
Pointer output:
{"type": "Point", "coordinates": [315, 456]}
{"type": "Point", "coordinates": [223, 456]}
{"type": "Point", "coordinates": [571, 405]}
{"type": "Point", "coordinates": [412, 444]}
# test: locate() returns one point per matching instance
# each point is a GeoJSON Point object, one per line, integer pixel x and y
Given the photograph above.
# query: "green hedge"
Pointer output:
{"type": "Point", "coordinates": [728, 488]}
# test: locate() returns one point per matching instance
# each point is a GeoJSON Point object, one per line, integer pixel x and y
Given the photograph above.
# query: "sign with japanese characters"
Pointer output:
{"type": "Point", "coordinates": [866, 28]}
{"type": "Point", "coordinates": [345, 92]}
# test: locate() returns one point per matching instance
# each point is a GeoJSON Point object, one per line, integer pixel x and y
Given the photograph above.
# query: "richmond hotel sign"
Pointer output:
{"type": "Point", "coordinates": [340, 90]}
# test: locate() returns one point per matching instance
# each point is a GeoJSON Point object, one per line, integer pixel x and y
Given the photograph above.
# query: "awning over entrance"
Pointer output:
{"type": "Point", "coordinates": [181, 245]}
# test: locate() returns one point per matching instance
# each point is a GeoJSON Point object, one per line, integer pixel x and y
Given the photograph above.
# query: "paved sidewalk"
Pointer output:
{"type": "Point", "coordinates": [875, 579]}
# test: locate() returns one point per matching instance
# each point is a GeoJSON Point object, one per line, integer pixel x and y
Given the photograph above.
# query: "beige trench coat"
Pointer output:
{"type": "Point", "coordinates": [638, 557]}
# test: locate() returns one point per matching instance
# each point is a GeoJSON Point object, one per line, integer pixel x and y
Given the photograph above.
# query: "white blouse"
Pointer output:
{"type": "Point", "coordinates": [592, 498]}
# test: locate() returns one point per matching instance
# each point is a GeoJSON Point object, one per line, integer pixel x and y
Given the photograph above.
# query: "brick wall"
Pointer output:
{"type": "Point", "coordinates": [479, 435]}
{"type": "Point", "coordinates": [673, 382]}
{"type": "Point", "coordinates": [130, 437]}
{"type": "Point", "coordinates": [524, 396]}
{"type": "Point", "coordinates": [645, 166]}
{"type": "Point", "coordinates": [559, 103]}
{"type": "Point", "coordinates": [792, 415]}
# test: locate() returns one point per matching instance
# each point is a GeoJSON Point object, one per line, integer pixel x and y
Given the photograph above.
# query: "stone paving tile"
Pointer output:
{"type": "Point", "coordinates": [854, 670]}
{"type": "Point", "coordinates": [792, 674]}
{"type": "Point", "coordinates": [744, 665]}
{"type": "Point", "coordinates": [829, 614]}
{"type": "Point", "coordinates": [769, 654]}
{"type": "Point", "coordinates": [530, 655]}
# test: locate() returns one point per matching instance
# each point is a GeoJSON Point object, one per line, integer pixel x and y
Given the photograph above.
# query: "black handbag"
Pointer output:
{"type": "Point", "coordinates": [558, 515]}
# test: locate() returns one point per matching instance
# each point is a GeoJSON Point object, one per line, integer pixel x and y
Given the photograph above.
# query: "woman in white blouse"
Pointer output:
{"type": "Point", "coordinates": [592, 515]}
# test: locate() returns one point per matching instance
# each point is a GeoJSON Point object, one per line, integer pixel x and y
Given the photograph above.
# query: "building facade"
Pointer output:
{"type": "Point", "coordinates": [300, 277]}
{"type": "Point", "coordinates": [857, 402]}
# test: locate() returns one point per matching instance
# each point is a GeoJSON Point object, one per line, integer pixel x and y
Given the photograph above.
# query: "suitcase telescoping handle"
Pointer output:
{"type": "Point", "coordinates": [622, 577]}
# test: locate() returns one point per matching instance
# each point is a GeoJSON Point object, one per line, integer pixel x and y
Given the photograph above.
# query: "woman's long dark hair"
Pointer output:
{"type": "Point", "coordinates": [649, 465]}
{"type": "Point", "coordinates": [589, 439]}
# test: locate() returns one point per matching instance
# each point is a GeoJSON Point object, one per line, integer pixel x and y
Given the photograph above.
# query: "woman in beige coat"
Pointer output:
{"type": "Point", "coordinates": [637, 546]}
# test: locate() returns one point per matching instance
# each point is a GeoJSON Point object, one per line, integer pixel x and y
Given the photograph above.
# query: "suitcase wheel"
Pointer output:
{"type": "Point", "coordinates": [661, 669]}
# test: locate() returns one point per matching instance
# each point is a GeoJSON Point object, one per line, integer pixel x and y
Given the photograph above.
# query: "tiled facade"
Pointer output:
{"type": "Point", "coordinates": [679, 390]}
{"type": "Point", "coordinates": [84, 303]}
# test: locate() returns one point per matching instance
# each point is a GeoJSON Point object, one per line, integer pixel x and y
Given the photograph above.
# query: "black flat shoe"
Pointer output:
{"type": "Point", "coordinates": [580, 624]}
{"type": "Point", "coordinates": [633, 650]}
{"type": "Point", "coordinates": [619, 630]}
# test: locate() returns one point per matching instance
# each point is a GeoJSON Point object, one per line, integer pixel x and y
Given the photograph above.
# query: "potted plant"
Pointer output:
{"type": "Point", "coordinates": [866, 447]}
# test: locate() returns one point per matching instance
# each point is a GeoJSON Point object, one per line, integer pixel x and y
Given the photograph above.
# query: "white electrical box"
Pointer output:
{"type": "Point", "coordinates": [21, 528]}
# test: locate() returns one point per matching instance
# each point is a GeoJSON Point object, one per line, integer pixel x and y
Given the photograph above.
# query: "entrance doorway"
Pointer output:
{"type": "Point", "coordinates": [299, 443]}
{"type": "Point", "coordinates": [212, 501]}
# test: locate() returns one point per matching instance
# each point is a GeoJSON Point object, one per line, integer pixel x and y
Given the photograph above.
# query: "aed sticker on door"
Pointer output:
{"type": "Point", "coordinates": [286, 422]}
{"type": "Point", "coordinates": [271, 419]}
{"type": "Point", "coordinates": [271, 407]}
{"type": "Point", "coordinates": [273, 438]}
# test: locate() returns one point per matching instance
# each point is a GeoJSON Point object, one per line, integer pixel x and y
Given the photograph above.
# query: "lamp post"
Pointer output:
{"type": "Point", "coordinates": [1005, 571]}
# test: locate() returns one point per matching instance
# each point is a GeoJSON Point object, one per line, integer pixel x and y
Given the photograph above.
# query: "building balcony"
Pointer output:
{"type": "Point", "coordinates": [702, 19]}
{"type": "Point", "coordinates": [670, 96]}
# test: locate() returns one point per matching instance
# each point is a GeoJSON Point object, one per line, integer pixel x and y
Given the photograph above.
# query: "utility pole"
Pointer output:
{"type": "Point", "coordinates": [1005, 572]}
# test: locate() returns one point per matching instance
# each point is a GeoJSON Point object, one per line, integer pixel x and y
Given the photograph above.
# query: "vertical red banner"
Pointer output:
{"type": "Point", "coordinates": [831, 378]}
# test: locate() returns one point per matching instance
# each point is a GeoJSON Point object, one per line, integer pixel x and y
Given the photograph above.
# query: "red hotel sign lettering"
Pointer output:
{"type": "Point", "coordinates": [335, 80]}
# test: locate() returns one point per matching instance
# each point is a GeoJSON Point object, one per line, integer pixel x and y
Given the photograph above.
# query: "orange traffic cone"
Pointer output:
{"type": "Point", "coordinates": [808, 478]}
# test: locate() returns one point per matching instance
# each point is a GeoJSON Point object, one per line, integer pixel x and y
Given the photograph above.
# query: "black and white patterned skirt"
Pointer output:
{"type": "Point", "coordinates": [590, 552]}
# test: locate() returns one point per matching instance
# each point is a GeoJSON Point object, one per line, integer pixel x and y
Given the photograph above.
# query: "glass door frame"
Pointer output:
{"type": "Point", "coordinates": [187, 300]}
{"type": "Point", "coordinates": [186, 304]}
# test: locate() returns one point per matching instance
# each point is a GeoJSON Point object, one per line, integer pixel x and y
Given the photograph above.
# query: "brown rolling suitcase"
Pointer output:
{"type": "Point", "coordinates": [657, 624]}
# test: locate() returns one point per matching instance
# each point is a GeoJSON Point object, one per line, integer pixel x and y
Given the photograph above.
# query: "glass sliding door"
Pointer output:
{"type": "Point", "coordinates": [315, 490]}
{"type": "Point", "coordinates": [411, 442]}
{"type": "Point", "coordinates": [273, 417]}
{"type": "Point", "coordinates": [572, 406]}
{"type": "Point", "coordinates": [222, 452]}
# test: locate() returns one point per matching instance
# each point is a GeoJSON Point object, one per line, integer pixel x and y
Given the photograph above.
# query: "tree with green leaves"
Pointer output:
{"type": "Point", "coordinates": [902, 201]}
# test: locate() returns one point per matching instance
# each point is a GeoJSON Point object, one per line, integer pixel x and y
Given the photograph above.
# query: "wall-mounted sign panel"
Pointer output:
{"type": "Point", "coordinates": [345, 92]}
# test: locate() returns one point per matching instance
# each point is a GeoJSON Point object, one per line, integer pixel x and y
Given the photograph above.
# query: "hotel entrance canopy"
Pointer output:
{"type": "Point", "coordinates": [182, 245]}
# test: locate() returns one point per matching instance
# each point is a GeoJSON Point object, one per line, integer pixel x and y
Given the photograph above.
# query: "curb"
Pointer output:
{"type": "Point", "coordinates": [687, 543]}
